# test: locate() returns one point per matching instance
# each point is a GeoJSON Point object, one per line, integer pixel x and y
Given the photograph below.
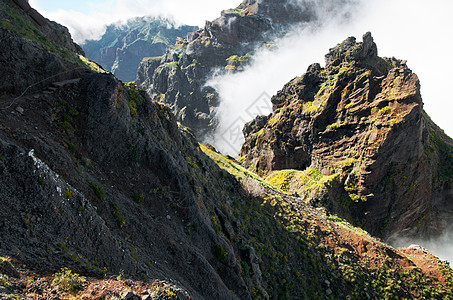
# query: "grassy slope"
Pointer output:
{"type": "Point", "coordinates": [305, 253]}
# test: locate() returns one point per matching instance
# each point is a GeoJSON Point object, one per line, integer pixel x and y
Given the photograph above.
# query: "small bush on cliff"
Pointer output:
{"type": "Point", "coordinates": [219, 252]}
{"type": "Point", "coordinates": [215, 224]}
{"type": "Point", "coordinates": [4, 281]}
{"type": "Point", "coordinates": [67, 194]}
{"type": "Point", "coordinates": [67, 281]}
{"type": "Point", "coordinates": [118, 215]}
{"type": "Point", "coordinates": [97, 189]}
{"type": "Point", "coordinates": [90, 64]}
{"type": "Point", "coordinates": [139, 198]}
{"type": "Point", "coordinates": [134, 98]}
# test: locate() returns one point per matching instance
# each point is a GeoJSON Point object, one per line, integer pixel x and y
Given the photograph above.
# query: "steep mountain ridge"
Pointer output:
{"type": "Point", "coordinates": [99, 179]}
{"type": "Point", "coordinates": [55, 32]}
{"type": "Point", "coordinates": [360, 122]}
{"type": "Point", "coordinates": [179, 77]}
{"type": "Point", "coordinates": [123, 46]}
{"type": "Point", "coordinates": [24, 34]}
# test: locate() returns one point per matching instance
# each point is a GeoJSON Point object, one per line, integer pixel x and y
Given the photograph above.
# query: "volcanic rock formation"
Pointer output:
{"type": "Point", "coordinates": [360, 122]}
{"type": "Point", "coordinates": [47, 45]}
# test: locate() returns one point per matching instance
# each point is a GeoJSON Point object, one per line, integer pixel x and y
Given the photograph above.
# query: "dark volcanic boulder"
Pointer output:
{"type": "Point", "coordinates": [360, 123]}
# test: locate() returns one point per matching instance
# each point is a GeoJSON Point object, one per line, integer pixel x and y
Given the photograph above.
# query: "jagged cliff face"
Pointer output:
{"type": "Point", "coordinates": [95, 176]}
{"type": "Point", "coordinates": [111, 186]}
{"type": "Point", "coordinates": [122, 47]}
{"type": "Point", "coordinates": [98, 178]}
{"type": "Point", "coordinates": [178, 78]}
{"type": "Point", "coordinates": [360, 122]}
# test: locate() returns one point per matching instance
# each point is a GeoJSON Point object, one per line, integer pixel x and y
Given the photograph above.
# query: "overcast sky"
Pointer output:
{"type": "Point", "coordinates": [416, 30]}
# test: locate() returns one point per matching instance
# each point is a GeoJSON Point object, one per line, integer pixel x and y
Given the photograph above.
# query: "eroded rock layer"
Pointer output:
{"type": "Point", "coordinates": [360, 122]}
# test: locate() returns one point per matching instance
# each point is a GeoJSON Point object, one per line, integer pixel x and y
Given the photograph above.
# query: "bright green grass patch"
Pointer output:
{"type": "Point", "coordinates": [234, 168]}
{"type": "Point", "coordinates": [291, 181]}
{"type": "Point", "coordinates": [281, 179]}
{"type": "Point", "coordinates": [91, 65]}
{"type": "Point", "coordinates": [67, 281]}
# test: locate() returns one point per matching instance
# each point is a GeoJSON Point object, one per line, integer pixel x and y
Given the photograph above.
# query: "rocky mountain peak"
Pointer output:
{"type": "Point", "coordinates": [122, 47]}
{"type": "Point", "coordinates": [363, 53]}
{"type": "Point", "coordinates": [279, 12]}
{"type": "Point", "coordinates": [369, 48]}
{"type": "Point", "coordinates": [349, 49]}
{"type": "Point", "coordinates": [360, 120]}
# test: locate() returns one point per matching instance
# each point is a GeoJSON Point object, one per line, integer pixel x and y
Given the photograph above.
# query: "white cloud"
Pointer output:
{"type": "Point", "coordinates": [407, 29]}
{"type": "Point", "coordinates": [271, 70]}
{"type": "Point", "coordinates": [416, 30]}
{"type": "Point", "coordinates": [419, 32]}
{"type": "Point", "coordinates": [410, 30]}
{"type": "Point", "coordinates": [441, 246]}
{"type": "Point", "coordinates": [88, 26]}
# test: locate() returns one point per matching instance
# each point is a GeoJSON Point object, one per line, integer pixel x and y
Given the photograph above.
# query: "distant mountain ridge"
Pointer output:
{"type": "Point", "coordinates": [123, 46]}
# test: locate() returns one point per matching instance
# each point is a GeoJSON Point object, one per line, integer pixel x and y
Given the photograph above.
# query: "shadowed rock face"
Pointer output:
{"type": "Point", "coordinates": [178, 78]}
{"type": "Point", "coordinates": [29, 38]}
{"type": "Point", "coordinates": [106, 183]}
{"type": "Point", "coordinates": [65, 150]}
{"type": "Point", "coordinates": [361, 120]}
{"type": "Point", "coordinates": [52, 30]}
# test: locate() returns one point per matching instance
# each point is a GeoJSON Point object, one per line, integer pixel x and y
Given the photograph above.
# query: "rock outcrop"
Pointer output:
{"type": "Point", "coordinates": [360, 122]}
{"type": "Point", "coordinates": [123, 46]}
{"type": "Point", "coordinates": [53, 31]}
{"type": "Point", "coordinates": [179, 77]}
